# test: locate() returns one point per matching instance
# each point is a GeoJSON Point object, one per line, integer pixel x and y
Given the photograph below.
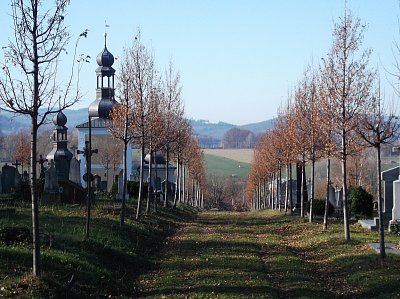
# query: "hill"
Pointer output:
{"type": "Point", "coordinates": [212, 133]}
{"type": "Point", "coordinates": [221, 166]}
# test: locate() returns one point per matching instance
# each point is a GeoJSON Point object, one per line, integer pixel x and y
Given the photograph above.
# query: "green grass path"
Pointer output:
{"type": "Point", "coordinates": [268, 255]}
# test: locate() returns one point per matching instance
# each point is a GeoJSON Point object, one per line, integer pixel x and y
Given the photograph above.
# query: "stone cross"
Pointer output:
{"type": "Point", "coordinates": [41, 162]}
{"type": "Point", "coordinates": [16, 164]}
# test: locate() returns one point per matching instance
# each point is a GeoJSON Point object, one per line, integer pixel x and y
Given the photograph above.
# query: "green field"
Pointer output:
{"type": "Point", "coordinates": [225, 167]}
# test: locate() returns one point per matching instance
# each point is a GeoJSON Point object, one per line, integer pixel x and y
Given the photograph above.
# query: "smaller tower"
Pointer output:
{"type": "Point", "coordinates": [60, 153]}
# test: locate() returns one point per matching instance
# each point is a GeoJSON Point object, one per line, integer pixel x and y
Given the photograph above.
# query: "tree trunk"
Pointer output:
{"type": "Point", "coordinates": [280, 189]}
{"type": "Point", "coordinates": [177, 182]}
{"type": "Point", "coordinates": [382, 252]}
{"type": "Point", "coordinates": [88, 182]}
{"type": "Point", "coordinates": [141, 181]}
{"type": "Point", "coordinates": [287, 187]}
{"type": "Point", "coordinates": [311, 216]}
{"type": "Point", "coordinates": [344, 182]}
{"type": "Point", "coordinates": [290, 190]}
{"type": "Point", "coordinates": [36, 265]}
{"type": "Point", "coordinates": [124, 188]}
{"type": "Point", "coordinates": [328, 181]}
{"type": "Point", "coordinates": [149, 187]}
{"type": "Point", "coordinates": [166, 178]}
{"type": "Point", "coordinates": [303, 176]}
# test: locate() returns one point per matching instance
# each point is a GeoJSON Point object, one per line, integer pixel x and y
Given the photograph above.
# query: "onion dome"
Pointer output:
{"type": "Point", "coordinates": [157, 158]}
{"type": "Point", "coordinates": [60, 119]}
{"type": "Point", "coordinates": [101, 108]}
{"type": "Point", "coordinates": [105, 58]}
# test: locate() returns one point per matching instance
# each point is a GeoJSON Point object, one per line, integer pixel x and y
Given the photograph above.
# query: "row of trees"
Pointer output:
{"type": "Point", "coordinates": [30, 85]}
{"type": "Point", "coordinates": [335, 111]}
{"type": "Point", "coordinates": [151, 116]}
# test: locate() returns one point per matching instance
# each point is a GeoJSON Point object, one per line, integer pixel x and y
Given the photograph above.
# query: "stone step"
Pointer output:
{"type": "Point", "coordinates": [370, 224]}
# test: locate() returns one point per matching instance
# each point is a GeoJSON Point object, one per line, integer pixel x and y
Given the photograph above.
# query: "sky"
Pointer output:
{"type": "Point", "coordinates": [237, 59]}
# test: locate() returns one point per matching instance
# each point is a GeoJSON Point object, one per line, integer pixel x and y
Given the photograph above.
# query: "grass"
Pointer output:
{"type": "Point", "coordinates": [270, 255]}
{"type": "Point", "coordinates": [106, 266]}
{"type": "Point", "coordinates": [171, 254]}
{"type": "Point", "coordinates": [244, 155]}
{"type": "Point", "coordinates": [225, 167]}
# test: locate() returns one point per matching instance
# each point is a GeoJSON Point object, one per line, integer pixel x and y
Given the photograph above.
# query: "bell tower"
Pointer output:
{"type": "Point", "coordinates": [105, 90]}
{"type": "Point", "coordinates": [60, 153]}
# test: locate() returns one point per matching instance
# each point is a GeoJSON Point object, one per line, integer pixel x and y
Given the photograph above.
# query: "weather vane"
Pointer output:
{"type": "Point", "coordinates": [105, 31]}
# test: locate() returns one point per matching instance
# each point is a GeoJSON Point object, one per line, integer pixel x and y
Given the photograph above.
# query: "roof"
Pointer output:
{"type": "Point", "coordinates": [96, 123]}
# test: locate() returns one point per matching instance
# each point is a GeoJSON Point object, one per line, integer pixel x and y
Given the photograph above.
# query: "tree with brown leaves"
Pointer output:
{"type": "Point", "coordinates": [349, 81]}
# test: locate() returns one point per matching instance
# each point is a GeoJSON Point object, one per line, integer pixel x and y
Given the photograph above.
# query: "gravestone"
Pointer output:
{"type": "Point", "coordinates": [396, 202]}
{"type": "Point", "coordinates": [51, 178]}
{"type": "Point", "coordinates": [10, 178]}
{"type": "Point", "coordinates": [332, 198]}
{"type": "Point", "coordinates": [75, 171]}
{"type": "Point", "coordinates": [1, 188]}
{"type": "Point", "coordinates": [339, 198]}
{"type": "Point", "coordinates": [388, 177]}
{"type": "Point", "coordinates": [121, 186]}
{"type": "Point", "coordinates": [25, 177]}
{"type": "Point", "coordinates": [51, 192]}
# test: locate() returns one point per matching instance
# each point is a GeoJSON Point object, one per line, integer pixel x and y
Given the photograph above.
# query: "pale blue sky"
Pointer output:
{"type": "Point", "coordinates": [237, 59]}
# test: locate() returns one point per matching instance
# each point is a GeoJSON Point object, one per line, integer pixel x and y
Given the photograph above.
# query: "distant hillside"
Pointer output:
{"type": "Point", "coordinates": [217, 130]}
{"type": "Point", "coordinates": [212, 132]}
{"type": "Point", "coordinates": [10, 123]}
{"type": "Point", "coordinates": [204, 127]}
{"type": "Point", "coordinates": [259, 127]}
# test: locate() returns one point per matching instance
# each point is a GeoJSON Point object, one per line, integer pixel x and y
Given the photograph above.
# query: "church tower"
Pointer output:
{"type": "Point", "coordinates": [105, 90]}
{"type": "Point", "coordinates": [60, 153]}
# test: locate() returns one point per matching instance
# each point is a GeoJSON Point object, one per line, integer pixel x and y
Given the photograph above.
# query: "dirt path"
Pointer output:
{"type": "Point", "coordinates": [232, 255]}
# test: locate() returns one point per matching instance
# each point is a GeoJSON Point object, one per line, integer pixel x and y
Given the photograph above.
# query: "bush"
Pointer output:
{"type": "Point", "coordinates": [133, 189]}
{"type": "Point", "coordinates": [319, 207]}
{"type": "Point", "coordinates": [114, 190]}
{"type": "Point", "coordinates": [361, 203]}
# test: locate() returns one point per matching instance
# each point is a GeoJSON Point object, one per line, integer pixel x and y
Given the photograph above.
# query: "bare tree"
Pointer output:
{"type": "Point", "coordinates": [379, 126]}
{"type": "Point", "coordinates": [349, 81]}
{"type": "Point", "coordinates": [29, 83]}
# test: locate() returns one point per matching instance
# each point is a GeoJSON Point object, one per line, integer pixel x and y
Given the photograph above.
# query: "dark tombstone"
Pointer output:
{"type": "Point", "coordinates": [388, 177]}
{"type": "Point", "coordinates": [41, 162]}
{"type": "Point", "coordinates": [171, 189]}
{"type": "Point", "coordinates": [51, 192]}
{"type": "Point", "coordinates": [75, 171]}
{"type": "Point", "coordinates": [16, 164]}
{"type": "Point", "coordinates": [25, 177]}
{"type": "Point", "coordinates": [10, 178]}
{"type": "Point", "coordinates": [51, 178]}
{"type": "Point", "coordinates": [103, 186]}
{"type": "Point", "coordinates": [332, 197]}
{"type": "Point", "coordinates": [121, 186]}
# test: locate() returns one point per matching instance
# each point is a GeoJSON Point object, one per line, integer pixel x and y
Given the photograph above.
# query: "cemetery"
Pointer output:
{"type": "Point", "coordinates": [121, 203]}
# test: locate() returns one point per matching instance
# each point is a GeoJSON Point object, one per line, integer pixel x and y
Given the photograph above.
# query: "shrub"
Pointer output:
{"type": "Point", "coordinates": [319, 207]}
{"type": "Point", "coordinates": [133, 189]}
{"type": "Point", "coordinates": [114, 190]}
{"type": "Point", "coordinates": [361, 202]}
